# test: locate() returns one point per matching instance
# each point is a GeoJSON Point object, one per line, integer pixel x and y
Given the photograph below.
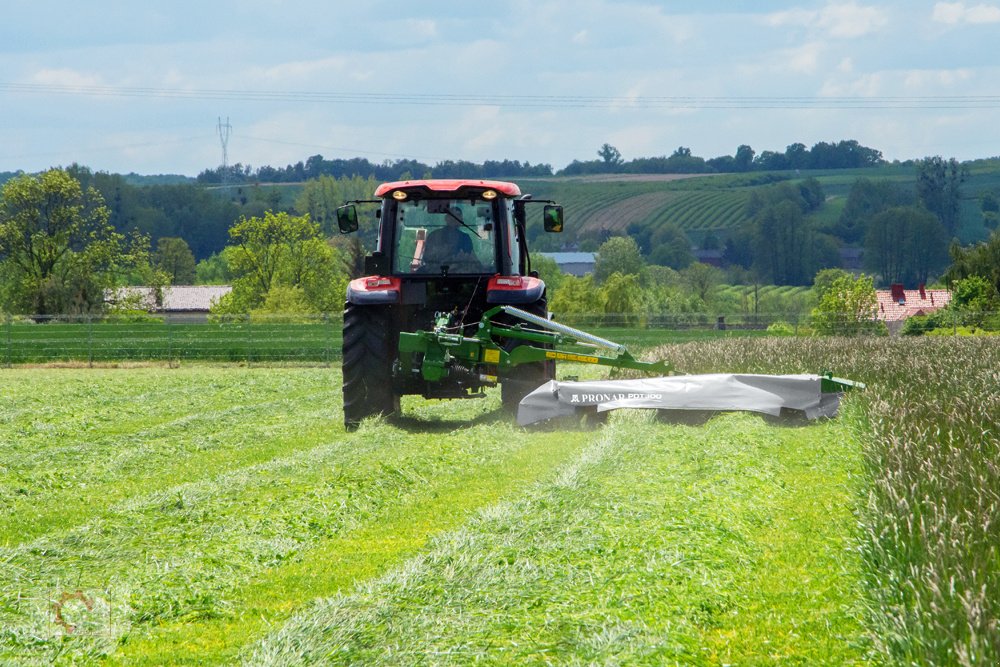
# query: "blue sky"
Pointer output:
{"type": "Point", "coordinates": [132, 86]}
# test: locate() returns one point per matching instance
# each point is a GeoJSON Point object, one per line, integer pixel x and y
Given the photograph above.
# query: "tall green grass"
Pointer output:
{"type": "Point", "coordinates": [929, 424]}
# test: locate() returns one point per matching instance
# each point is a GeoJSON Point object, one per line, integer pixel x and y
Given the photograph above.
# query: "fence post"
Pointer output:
{"type": "Point", "coordinates": [249, 342]}
{"type": "Point", "coordinates": [90, 340]}
{"type": "Point", "coordinates": [328, 352]}
{"type": "Point", "coordinates": [9, 321]}
{"type": "Point", "coordinates": [170, 341]}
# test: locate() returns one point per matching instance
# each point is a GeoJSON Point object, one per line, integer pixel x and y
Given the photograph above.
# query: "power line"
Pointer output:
{"type": "Point", "coordinates": [679, 102]}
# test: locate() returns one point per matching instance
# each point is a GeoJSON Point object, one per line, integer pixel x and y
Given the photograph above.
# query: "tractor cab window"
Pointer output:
{"type": "Point", "coordinates": [443, 236]}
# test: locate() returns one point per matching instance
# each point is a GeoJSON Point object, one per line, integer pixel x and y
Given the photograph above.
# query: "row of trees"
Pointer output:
{"type": "Point", "coordinates": [387, 170]}
{"type": "Point", "coordinates": [846, 154]}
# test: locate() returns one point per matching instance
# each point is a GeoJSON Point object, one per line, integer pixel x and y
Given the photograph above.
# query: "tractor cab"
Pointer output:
{"type": "Point", "coordinates": [448, 233]}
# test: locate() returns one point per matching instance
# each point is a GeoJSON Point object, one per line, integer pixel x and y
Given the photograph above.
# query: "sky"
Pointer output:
{"type": "Point", "coordinates": [125, 86]}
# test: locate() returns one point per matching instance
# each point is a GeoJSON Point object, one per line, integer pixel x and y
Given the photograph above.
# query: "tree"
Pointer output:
{"type": "Point", "coordinates": [59, 252]}
{"type": "Point", "coordinates": [848, 307]}
{"type": "Point", "coordinates": [281, 250]}
{"type": "Point", "coordinates": [174, 257]}
{"type": "Point", "coordinates": [939, 189]}
{"type": "Point", "coordinates": [781, 244]}
{"type": "Point", "coordinates": [577, 296]}
{"type": "Point", "coordinates": [866, 199]}
{"type": "Point", "coordinates": [702, 280]}
{"type": "Point", "coordinates": [982, 259]}
{"type": "Point", "coordinates": [974, 297]}
{"type": "Point", "coordinates": [612, 156]}
{"type": "Point", "coordinates": [321, 196]}
{"type": "Point", "coordinates": [825, 280]}
{"type": "Point", "coordinates": [619, 254]}
{"type": "Point", "coordinates": [622, 295]}
{"type": "Point", "coordinates": [671, 247]}
{"type": "Point", "coordinates": [905, 244]}
{"type": "Point", "coordinates": [213, 270]}
{"type": "Point", "coordinates": [743, 160]}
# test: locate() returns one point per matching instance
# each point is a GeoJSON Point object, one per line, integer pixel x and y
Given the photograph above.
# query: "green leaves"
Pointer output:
{"type": "Point", "coordinates": [59, 251]}
{"type": "Point", "coordinates": [286, 255]}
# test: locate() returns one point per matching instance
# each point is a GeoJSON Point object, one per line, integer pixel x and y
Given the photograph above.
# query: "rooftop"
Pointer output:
{"type": "Point", "coordinates": [176, 298]}
{"type": "Point", "coordinates": [896, 303]}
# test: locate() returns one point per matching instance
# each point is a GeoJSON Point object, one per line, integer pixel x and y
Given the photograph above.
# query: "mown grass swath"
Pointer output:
{"type": "Point", "coordinates": [658, 545]}
{"type": "Point", "coordinates": [208, 514]}
{"type": "Point", "coordinates": [929, 424]}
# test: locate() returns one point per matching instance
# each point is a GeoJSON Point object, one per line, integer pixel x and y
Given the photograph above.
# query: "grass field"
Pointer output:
{"type": "Point", "coordinates": [318, 339]}
{"type": "Point", "coordinates": [220, 515]}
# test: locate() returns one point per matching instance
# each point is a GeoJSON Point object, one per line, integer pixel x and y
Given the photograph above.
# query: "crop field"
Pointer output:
{"type": "Point", "coordinates": [695, 205]}
{"type": "Point", "coordinates": [221, 514]}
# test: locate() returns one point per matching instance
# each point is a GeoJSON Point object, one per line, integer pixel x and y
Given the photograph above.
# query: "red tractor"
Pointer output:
{"type": "Point", "coordinates": [448, 252]}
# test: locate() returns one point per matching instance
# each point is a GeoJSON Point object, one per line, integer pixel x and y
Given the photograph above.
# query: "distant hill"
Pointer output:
{"type": "Point", "coordinates": [601, 206]}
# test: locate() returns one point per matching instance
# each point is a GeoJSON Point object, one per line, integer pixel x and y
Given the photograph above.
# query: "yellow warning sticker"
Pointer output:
{"type": "Point", "coordinates": [565, 356]}
{"type": "Point", "coordinates": [491, 356]}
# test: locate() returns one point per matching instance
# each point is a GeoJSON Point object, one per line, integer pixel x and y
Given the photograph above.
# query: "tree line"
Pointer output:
{"type": "Point", "coordinates": [68, 235]}
{"type": "Point", "coordinates": [845, 154]}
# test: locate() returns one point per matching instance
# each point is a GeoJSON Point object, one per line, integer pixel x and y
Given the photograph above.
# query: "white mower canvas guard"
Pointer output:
{"type": "Point", "coordinates": [767, 394]}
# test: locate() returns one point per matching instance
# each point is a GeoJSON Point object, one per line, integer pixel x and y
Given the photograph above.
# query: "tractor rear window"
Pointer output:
{"type": "Point", "coordinates": [435, 236]}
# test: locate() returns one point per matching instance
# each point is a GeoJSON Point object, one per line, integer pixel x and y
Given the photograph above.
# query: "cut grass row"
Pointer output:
{"type": "Point", "coordinates": [720, 544]}
{"type": "Point", "coordinates": [238, 517]}
{"type": "Point", "coordinates": [228, 525]}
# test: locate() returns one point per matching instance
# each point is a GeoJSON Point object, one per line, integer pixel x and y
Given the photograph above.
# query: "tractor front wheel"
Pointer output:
{"type": "Point", "coordinates": [367, 364]}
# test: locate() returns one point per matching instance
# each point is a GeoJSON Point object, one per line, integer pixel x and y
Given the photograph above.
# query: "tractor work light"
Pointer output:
{"type": "Point", "coordinates": [489, 195]}
{"type": "Point", "coordinates": [399, 195]}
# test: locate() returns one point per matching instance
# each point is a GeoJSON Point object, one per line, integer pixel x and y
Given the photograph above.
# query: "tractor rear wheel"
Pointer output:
{"type": "Point", "coordinates": [519, 381]}
{"type": "Point", "coordinates": [367, 364]}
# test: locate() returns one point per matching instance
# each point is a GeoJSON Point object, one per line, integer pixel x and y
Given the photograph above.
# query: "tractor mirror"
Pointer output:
{"type": "Point", "coordinates": [552, 218]}
{"type": "Point", "coordinates": [347, 218]}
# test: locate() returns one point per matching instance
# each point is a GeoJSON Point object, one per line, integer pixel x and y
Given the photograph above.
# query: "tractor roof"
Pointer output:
{"type": "Point", "coordinates": [448, 185]}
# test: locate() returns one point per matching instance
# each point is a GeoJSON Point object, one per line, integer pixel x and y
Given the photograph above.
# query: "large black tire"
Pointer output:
{"type": "Point", "coordinates": [367, 363]}
{"type": "Point", "coordinates": [519, 381]}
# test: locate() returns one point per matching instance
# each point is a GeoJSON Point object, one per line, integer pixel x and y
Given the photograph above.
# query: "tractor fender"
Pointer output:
{"type": "Point", "coordinates": [373, 290]}
{"type": "Point", "coordinates": [514, 289]}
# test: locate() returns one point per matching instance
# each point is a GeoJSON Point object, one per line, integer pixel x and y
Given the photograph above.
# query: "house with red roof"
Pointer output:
{"type": "Point", "coordinates": [896, 305]}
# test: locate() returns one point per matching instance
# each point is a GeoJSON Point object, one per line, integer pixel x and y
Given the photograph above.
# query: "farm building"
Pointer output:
{"type": "Point", "coordinates": [180, 303]}
{"type": "Point", "coordinates": [573, 263]}
{"type": "Point", "coordinates": [711, 257]}
{"type": "Point", "coordinates": [896, 304]}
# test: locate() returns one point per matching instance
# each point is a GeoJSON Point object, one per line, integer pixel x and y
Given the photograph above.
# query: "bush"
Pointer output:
{"type": "Point", "coordinates": [780, 329]}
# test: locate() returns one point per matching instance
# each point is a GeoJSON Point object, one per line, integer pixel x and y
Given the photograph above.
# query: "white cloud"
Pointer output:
{"type": "Point", "coordinates": [922, 80]}
{"type": "Point", "coordinates": [423, 28]}
{"type": "Point", "coordinates": [839, 20]}
{"type": "Point", "coordinates": [804, 59]}
{"type": "Point", "coordinates": [581, 37]}
{"type": "Point", "coordinates": [65, 77]}
{"type": "Point", "coordinates": [301, 69]}
{"type": "Point", "coordinates": [952, 13]}
{"type": "Point", "coordinates": [866, 85]}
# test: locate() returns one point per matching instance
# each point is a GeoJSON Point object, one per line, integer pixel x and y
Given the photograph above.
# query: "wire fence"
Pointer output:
{"type": "Point", "coordinates": [317, 339]}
